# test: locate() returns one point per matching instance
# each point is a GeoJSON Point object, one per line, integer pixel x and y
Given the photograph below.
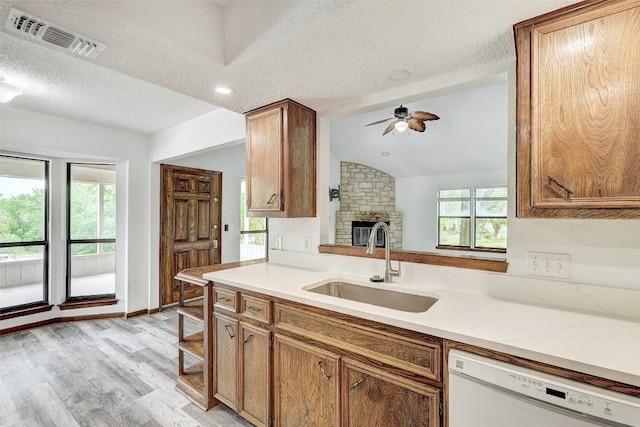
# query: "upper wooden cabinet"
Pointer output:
{"type": "Point", "coordinates": [578, 112]}
{"type": "Point", "coordinates": [281, 161]}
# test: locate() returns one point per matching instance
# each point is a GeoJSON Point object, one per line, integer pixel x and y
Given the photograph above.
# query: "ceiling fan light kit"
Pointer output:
{"type": "Point", "coordinates": [404, 119]}
{"type": "Point", "coordinates": [401, 125]}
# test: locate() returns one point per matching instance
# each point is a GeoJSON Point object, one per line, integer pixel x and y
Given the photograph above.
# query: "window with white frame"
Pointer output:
{"type": "Point", "coordinates": [473, 218]}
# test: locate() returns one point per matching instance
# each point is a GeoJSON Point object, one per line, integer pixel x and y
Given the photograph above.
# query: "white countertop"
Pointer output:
{"type": "Point", "coordinates": [599, 345]}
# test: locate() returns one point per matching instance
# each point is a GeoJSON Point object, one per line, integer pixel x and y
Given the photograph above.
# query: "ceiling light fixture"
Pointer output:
{"type": "Point", "coordinates": [401, 125]}
{"type": "Point", "coordinates": [7, 91]}
{"type": "Point", "coordinates": [399, 75]}
{"type": "Point", "coordinates": [223, 90]}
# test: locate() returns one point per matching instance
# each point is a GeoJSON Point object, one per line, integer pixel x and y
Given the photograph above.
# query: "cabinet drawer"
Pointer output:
{"type": "Point", "coordinates": [226, 300]}
{"type": "Point", "coordinates": [256, 308]}
{"type": "Point", "coordinates": [412, 355]}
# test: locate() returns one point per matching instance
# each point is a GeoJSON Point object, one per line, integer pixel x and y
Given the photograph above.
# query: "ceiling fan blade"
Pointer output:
{"type": "Point", "coordinates": [389, 128]}
{"type": "Point", "coordinates": [423, 115]}
{"type": "Point", "coordinates": [380, 121]}
{"type": "Point", "coordinates": [416, 125]}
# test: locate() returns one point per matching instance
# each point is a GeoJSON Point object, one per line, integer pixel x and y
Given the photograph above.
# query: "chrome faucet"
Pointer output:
{"type": "Point", "coordinates": [371, 247]}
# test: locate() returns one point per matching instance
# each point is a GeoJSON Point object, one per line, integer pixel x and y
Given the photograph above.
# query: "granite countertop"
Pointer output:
{"type": "Point", "coordinates": [594, 344]}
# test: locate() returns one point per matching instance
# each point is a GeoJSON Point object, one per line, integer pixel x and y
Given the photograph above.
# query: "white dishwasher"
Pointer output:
{"type": "Point", "coordinates": [489, 393]}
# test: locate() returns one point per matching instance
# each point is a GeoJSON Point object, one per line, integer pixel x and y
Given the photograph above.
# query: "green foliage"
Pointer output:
{"type": "Point", "coordinates": [22, 217]}
{"type": "Point", "coordinates": [84, 211]}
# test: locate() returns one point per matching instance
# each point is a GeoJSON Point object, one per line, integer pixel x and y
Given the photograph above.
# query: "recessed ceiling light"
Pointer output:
{"type": "Point", "coordinates": [399, 75]}
{"type": "Point", "coordinates": [223, 90]}
{"type": "Point", "coordinates": [385, 154]}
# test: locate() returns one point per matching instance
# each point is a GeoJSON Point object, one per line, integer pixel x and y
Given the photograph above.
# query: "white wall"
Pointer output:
{"type": "Point", "coordinates": [35, 134]}
{"type": "Point", "coordinates": [416, 199]}
{"type": "Point", "coordinates": [232, 162]}
{"type": "Point", "coordinates": [214, 129]}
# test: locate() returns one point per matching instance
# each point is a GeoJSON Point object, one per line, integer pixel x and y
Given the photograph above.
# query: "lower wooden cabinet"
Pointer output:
{"type": "Point", "coordinates": [226, 363]}
{"type": "Point", "coordinates": [278, 363]}
{"type": "Point", "coordinates": [306, 384]}
{"type": "Point", "coordinates": [373, 397]}
{"type": "Point", "coordinates": [254, 369]}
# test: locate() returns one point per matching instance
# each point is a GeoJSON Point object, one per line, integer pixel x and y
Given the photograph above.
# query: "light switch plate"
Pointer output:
{"type": "Point", "coordinates": [548, 264]}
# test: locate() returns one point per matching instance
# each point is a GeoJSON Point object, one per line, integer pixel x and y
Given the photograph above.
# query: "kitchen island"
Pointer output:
{"type": "Point", "coordinates": [603, 346]}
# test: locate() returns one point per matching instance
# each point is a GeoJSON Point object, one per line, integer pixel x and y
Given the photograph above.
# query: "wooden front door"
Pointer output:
{"type": "Point", "coordinates": [190, 226]}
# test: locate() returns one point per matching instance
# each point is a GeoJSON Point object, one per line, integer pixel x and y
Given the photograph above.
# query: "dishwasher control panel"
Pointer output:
{"type": "Point", "coordinates": [558, 391]}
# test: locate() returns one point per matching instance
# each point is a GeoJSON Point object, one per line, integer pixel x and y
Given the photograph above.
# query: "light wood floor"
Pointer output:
{"type": "Point", "coordinates": [112, 372]}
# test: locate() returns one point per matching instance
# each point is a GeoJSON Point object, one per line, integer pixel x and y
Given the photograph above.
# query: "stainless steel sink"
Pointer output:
{"type": "Point", "coordinates": [375, 296]}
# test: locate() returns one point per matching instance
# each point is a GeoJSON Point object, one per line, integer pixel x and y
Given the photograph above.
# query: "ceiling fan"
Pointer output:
{"type": "Point", "coordinates": [404, 120]}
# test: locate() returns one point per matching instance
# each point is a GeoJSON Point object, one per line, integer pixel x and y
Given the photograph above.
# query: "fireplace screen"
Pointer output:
{"type": "Point", "coordinates": [360, 231]}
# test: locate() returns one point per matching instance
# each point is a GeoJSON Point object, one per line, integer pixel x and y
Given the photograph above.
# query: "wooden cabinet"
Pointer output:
{"type": "Point", "coordinates": [577, 112]}
{"type": "Point", "coordinates": [254, 383]}
{"type": "Point", "coordinates": [287, 364]}
{"type": "Point", "coordinates": [226, 364]}
{"type": "Point", "coordinates": [243, 362]}
{"type": "Point", "coordinates": [372, 396]}
{"type": "Point", "coordinates": [195, 381]}
{"type": "Point", "coordinates": [306, 384]}
{"type": "Point", "coordinates": [281, 161]}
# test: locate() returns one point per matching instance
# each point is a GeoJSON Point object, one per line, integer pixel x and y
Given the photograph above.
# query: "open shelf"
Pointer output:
{"type": "Point", "coordinates": [194, 345]}
{"type": "Point", "coordinates": [196, 382]}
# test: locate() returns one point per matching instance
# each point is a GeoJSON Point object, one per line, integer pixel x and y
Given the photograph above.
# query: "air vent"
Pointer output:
{"type": "Point", "coordinates": [36, 28]}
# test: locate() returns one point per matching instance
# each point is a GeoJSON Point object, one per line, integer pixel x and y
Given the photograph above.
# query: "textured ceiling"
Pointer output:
{"type": "Point", "coordinates": [165, 57]}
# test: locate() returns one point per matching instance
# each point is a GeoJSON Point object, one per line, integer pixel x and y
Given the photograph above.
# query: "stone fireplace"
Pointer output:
{"type": "Point", "coordinates": [366, 195]}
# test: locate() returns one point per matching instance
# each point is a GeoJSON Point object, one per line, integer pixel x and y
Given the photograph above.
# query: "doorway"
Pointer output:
{"type": "Point", "coordinates": [190, 211]}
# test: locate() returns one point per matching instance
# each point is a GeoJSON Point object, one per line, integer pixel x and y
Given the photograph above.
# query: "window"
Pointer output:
{"type": "Point", "coordinates": [91, 230]}
{"type": "Point", "coordinates": [254, 235]}
{"type": "Point", "coordinates": [24, 233]}
{"type": "Point", "coordinates": [473, 219]}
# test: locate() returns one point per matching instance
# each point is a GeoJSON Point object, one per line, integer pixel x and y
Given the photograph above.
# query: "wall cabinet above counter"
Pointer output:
{"type": "Point", "coordinates": [281, 161]}
{"type": "Point", "coordinates": [577, 112]}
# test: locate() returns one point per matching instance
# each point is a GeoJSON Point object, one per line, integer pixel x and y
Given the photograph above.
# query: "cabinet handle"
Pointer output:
{"type": "Point", "coordinates": [223, 299]}
{"type": "Point", "coordinates": [327, 376]}
{"type": "Point", "coordinates": [246, 340]}
{"type": "Point", "coordinates": [254, 309]}
{"type": "Point", "coordinates": [555, 181]}
{"type": "Point", "coordinates": [356, 384]}
{"type": "Point", "coordinates": [271, 198]}
{"type": "Point", "coordinates": [227, 328]}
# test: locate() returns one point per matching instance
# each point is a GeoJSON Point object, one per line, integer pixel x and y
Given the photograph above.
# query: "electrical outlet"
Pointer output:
{"type": "Point", "coordinates": [307, 243]}
{"type": "Point", "coordinates": [548, 265]}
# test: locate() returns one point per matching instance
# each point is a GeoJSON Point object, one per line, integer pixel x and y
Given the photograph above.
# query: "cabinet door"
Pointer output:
{"type": "Point", "coordinates": [254, 374]}
{"type": "Point", "coordinates": [264, 160]}
{"type": "Point", "coordinates": [306, 384]}
{"type": "Point", "coordinates": [578, 103]}
{"type": "Point", "coordinates": [226, 372]}
{"type": "Point", "coordinates": [374, 397]}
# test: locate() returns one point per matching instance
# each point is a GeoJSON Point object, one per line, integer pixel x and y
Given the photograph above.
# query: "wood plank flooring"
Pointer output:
{"type": "Point", "coordinates": [110, 372]}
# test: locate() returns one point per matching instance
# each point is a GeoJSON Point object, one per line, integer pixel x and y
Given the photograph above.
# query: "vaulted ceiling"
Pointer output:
{"type": "Point", "coordinates": [164, 58]}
